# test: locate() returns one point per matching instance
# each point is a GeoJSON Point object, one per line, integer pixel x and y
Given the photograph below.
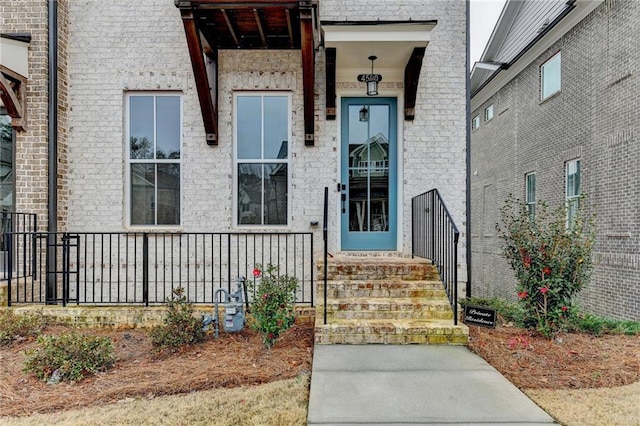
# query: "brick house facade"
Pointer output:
{"type": "Point", "coordinates": [112, 51]}
{"type": "Point", "coordinates": [592, 118]}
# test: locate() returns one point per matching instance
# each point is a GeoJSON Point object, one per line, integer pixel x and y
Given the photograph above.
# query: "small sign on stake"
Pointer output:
{"type": "Point", "coordinates": [475, 315]}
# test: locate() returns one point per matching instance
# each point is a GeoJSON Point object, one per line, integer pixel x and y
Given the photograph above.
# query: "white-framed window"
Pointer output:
{"type": "Point", "coordinates": [551, 76]}
{"type": "Point", "coordinates": [154, 143]}
{"type": "Point", "coordinates": [573, 190]}
{"type": "Point", "coordinates": [530, 193]}
{"type": "Point", "coordinates": [262, 124]}
{"type": "Point", "coordinates": [475, 122]}
{"type": "Point", "coordinates": [488, 113]}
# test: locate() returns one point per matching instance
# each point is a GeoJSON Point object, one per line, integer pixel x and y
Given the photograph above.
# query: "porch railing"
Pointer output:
{"type": "Point", "coordinates": [435, 236]}
{"type": "Point", "coordinates": [144, 268]}
{"type": "Point", "coordinates": [20, 223]}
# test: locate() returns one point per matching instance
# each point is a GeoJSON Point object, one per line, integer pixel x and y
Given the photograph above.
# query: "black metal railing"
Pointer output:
{"type": "Point", "coordinates": [144, 268]}
{"type": "Point", "coordinates": [10, 223]}
{"type": "Point", "coordinates": [325, 227]}
{"type": "Point", "coordinates": [435, 236]}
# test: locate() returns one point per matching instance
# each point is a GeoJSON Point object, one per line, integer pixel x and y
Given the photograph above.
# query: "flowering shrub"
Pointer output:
{"type": "Point", "coordinates": [551, 263]}
{"type": "Point", "coordinates": [272, 307]}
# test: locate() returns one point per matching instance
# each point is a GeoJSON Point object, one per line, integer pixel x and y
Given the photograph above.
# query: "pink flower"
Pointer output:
{"type": "Point", "coordinates": [546, 270]}
{"type": "Point", "coordinates": [543, 290]}
{"type": "Point", "coordinates": [256, 272]}
{"type": "Point", "coordinates": [564, 309]}
{"type": "Point", "coordinates": [527, 261]}
{"type": "Point", "coordinates": [523, 294]}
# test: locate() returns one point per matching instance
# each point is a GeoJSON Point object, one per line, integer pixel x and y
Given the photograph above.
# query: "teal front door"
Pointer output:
{"type": "Point", "coordinates": [368, 174]}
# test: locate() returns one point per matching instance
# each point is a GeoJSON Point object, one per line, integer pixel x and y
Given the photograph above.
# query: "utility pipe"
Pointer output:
{"type": "Point", "coordinates": [52, 197]}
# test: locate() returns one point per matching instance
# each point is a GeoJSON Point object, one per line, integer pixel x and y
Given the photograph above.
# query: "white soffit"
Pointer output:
{"type": "Point", "coordinates": [13, 55]}
{"type": "Point", "coordinates": [392, 43]}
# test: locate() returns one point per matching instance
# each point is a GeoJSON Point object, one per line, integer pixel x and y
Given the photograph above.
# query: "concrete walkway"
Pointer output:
{"type": "Point", "coordinates": [413, 384]}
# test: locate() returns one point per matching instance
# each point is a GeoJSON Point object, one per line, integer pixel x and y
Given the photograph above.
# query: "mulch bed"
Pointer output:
{"type": "Point", "coordinates": [232, 360]}
{"type": "Point", "coordinates": [569, 361]}
{"type": "Point", "coordinates": [530, 361]}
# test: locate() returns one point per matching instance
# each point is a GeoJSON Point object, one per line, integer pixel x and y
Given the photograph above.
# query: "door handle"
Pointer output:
{"type": "Point", "coordinates": [343, 198]}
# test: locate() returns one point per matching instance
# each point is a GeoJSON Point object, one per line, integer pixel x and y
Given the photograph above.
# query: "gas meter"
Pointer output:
{"type": "Point", "coordinates": [234, 316]}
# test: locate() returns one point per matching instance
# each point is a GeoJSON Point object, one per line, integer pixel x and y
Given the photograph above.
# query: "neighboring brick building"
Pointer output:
{"type": "Point", "coordinates": [555, 109]}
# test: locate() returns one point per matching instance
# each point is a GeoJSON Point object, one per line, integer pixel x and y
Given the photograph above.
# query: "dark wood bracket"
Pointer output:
{"type": "Point", "coordinates": [13, 88]}
{"type": "Point", "coordinates": [308, 71]}
{"type": "Point", "coordinates": [411, 79]}
{"type": "Point", "coordinates": [208, 103]}
{"type": "Point", "coordinates": [330, 58]}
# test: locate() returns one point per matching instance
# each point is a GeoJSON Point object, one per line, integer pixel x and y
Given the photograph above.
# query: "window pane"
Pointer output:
{"type": "Point", "coordinates": [141, 127]}
{"type": "Point", "coordinates": [276, 126]}
{"type": "Point", "coordinates": [250, 194]}
{"type": "Point", "coordinates": [551, 77]}
{"type": "Point", "coordinates": [249, 127]}
{"type": "Point", "coordinates": [275, 196]}
{"type": "Point", "coordinates": [143, 194]}
{"type": "Point", "coordinates": [168, 127]}
{"type": "Point", "coordinates": [168, 194]}
{"type": "Point", "coordinates": [6, 164]}
{"type": "Point", "coordinates": [573, 178]}
{"type": "Point", "coordinates": [358, 128]}
{"type": "Point", "coordinates": [379, 121]}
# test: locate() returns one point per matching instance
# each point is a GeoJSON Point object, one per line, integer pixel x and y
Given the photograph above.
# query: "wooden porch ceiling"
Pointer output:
{"type": "Point", "coordinates": [212, 25]}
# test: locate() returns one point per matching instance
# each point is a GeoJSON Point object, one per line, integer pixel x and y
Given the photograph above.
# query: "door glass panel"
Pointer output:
{"type": "Point", "coordinates": [368, 202]}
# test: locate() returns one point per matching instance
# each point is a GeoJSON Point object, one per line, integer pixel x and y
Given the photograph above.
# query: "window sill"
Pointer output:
{"type": "Point", "coordinates": [551, 96]}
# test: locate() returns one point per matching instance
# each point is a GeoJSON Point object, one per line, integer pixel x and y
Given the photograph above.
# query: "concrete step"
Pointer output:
{"type": "Point", "coordinates": [381, 288]}
{"type": "Point", "coordinates": [390, 332]}
{"type": "Point", "coordinates": [388, 308]}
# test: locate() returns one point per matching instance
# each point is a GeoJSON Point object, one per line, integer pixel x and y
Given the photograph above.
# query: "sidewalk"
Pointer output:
{"type": "Point", "coordinates": [413, 384]}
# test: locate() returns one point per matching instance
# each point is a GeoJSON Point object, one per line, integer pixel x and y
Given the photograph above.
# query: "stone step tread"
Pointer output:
{"type": "Point", "coordinates": [343, 259]}
{"type": "Point", "coordinates": [382, 283]}
{"type": "Point", "coordinates": [383, 301]}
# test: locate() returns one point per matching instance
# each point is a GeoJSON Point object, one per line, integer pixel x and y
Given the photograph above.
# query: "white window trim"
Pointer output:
{"type": "Point", "coordinates": [288, 162]}
{"type": "Point", "coordinates": [531, 204]}
{"type": "Point", "coordinates": [558, 55]}
{"type": "Point", "coordinates": [474, 120]}
{"type": "Point", "coordinates": [486, 113]}
{"type": "Point", "coordinates": [570, 198]}
{"type": "Point", "coordinates": [127, 159]}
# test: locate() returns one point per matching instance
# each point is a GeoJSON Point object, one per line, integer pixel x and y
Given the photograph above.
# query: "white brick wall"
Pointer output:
{"type": "Point", "coordinates": [121, 45]}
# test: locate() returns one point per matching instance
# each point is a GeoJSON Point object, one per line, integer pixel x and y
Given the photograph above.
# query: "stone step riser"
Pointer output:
{"type": "Point", "coordinates": [391, 339]}
{"type": "Point", "coordinates": [379, 272]}
{"type": "Point", "coordinates": [390, 315]}
{"type": "Point", "coordinates": [385, 293]}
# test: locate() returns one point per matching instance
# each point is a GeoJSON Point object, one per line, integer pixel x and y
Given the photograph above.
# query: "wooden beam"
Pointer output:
{"type": "Point", "coordinates": [330, 57]}
{"type": "Point", "coordinates": [289, 27]}
{"type": "Point", "coordinates": [237, 4]}
{"type": "Point", "coordinates": [411, 79]}
{"type": "Point", "coordinates": [308, 72]}
{"type": "Point", "coordinates": [13, 90]}
{"type": "Point", "coordinates": [259, 15]}
{"type": "Point", "coordinates": [232, 27]}
{"type": "Point", "coordinates": [207, 106]}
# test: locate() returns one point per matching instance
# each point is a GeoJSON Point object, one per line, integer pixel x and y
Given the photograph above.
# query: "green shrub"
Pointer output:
{"type": "Point", "coordinates": [273, 307]}
{"type": "Point", "coordinates": [180, 326]}
{"type": "Point", "coordinates": [72, 355]}
{"type": "Point", "coordinates": [597, 325]}
{"type": "Point", "coordinates": [552, 263]}
{"type": "Point", "coordinates": [19, 327]}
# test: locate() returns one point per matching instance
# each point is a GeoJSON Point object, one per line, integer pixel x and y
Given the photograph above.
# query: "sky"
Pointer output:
{"type": "Point", "coordinates": [483, 16]}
